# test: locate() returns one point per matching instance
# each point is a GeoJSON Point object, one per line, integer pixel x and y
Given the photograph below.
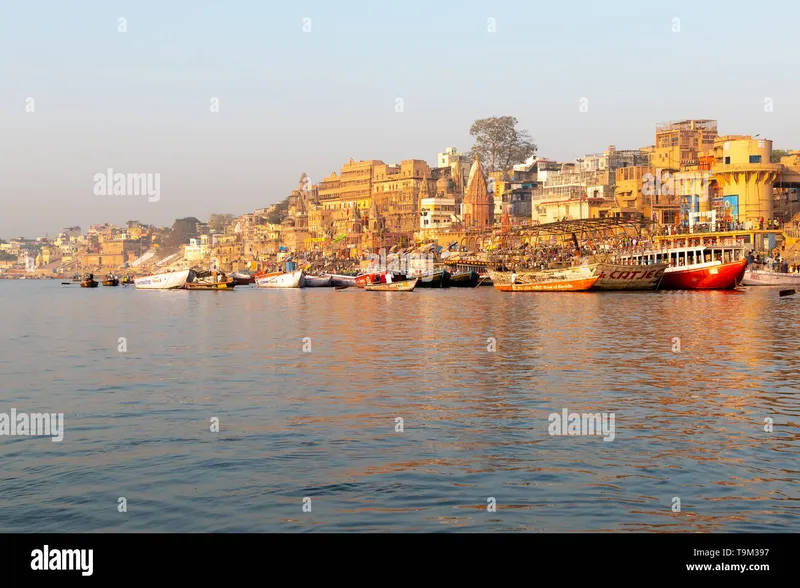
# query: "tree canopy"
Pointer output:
{"type": "Point", "coordinates": [777, 154]}
{"type": "Point", "coordinates": [218, 222]}
{"type": "Point", "coordinates": [183, 229]}
{"type": "Point", "coordinates": [499, 144]}
{"type": "Point", "coordinates": [279, 212]}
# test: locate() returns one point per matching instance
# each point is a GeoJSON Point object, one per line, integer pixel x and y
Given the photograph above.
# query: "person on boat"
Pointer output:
{"type": "Point", "coordinates": [91, 277]}
{"type": "Point", "coordinates": [750, 261]}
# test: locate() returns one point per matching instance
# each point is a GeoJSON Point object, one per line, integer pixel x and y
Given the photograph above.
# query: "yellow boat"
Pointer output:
{"type": "Point", "coordinates": [222, 286]}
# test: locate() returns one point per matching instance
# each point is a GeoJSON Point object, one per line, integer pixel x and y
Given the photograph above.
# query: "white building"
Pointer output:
{"type": "Point", "coordinates": [450, 156]}
{"type": "Point", "coordinates": [196, 250]}
{"type": "Point", "coordinates": [436, 213]}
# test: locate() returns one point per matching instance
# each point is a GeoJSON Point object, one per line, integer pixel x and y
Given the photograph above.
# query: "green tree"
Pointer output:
{"type": "Point", "coordinates": [499, 144]}
{"type": "Point", "coordinates": [279, 212]}
{"type": "Point", "coordinates": [218, 222]}
{"type": "Point", "coordinates": [777, 154]}
{"type": "Point", "coordinates": [182, 230]}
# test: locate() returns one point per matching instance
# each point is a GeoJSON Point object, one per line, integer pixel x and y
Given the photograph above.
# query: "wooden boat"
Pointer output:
{"type": "Point", "coordinates": [167, 281]}
{"type": "Point", "coordinates": [573, 279]}
{"type": "Point", "coordinates": [89, 284]}
{"type": "Point", "coordinates": [216, 286]}
{"type": "Point", "coordinates": [294, 279]}
{"type": "Point", "coordinates": [402, 286]}
{"type": "Point", "coordinates": [341, 280]}
{"type": "Point", "coordinates": [438, 279]}
{"type": "Point", "coordinates": [241, 279]}
{"type": "Point", "coordinates": [713, 266]}
{"type": "Point", "coordinates": [126, 280]}
{"type": "Point", "coordinates": [768, 278]}
{"type": "Point", "coordinates": [318, 281]}
{"type": "Point", "coordinates": [77, 278]}
{"type": "Point", "coordinates": [377, 278]}
{"type": "Point", "coordinates": [468, 279]}
{"type": "Point", "coordinates": [628, 277]}
{"type": "Point", "coordinates": [111, 282]}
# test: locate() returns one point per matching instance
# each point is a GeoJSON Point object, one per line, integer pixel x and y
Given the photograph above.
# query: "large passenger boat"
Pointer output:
{"type": "Point", "coordinates": [696, 264]}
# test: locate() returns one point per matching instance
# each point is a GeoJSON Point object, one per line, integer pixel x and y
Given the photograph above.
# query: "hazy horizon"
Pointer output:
{"type": "Point", "coordinates": [294, 100]}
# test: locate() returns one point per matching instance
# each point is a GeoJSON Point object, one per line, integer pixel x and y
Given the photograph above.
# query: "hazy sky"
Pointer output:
{"type": "Point", "coordinates": [292, 101]}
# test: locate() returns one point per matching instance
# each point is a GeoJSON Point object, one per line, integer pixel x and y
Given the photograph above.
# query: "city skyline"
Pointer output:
{"type": "Point", "coordinates": [138, 95]}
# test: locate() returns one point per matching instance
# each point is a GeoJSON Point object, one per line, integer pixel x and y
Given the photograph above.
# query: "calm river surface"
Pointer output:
{"type": "Point", "coordinates": [321, 422]}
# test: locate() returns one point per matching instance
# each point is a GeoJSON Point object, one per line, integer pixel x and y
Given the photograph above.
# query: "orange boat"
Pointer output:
{"type": "Point", "coordinates": [577, 279]}
{"type": "Point", "coordinates": [568, 285]}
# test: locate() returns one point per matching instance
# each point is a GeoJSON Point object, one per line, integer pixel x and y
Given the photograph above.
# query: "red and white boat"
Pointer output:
{"type": "Point", "coordinates": [377, 278]}
{"type": "Point", "coordinates": [696, 264]}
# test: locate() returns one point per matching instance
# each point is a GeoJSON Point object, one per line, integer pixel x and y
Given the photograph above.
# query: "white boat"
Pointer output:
{"type": "Point", "coordinates": [167, 281]}
{"type": "Point", "coordinates": [340, 280]}
{"type": "Point", "coordinates": [317, 281]}
{"type": "Point", "coordinates": [289, 280]}
{"type": "Point", "coordinates": [768, 278]}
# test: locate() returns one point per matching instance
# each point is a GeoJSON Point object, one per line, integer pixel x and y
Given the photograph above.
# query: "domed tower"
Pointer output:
{"type": "Point", "coordinates": [442, 187]}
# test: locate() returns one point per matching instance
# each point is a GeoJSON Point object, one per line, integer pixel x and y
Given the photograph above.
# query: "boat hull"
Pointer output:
{"type": "Point", "coordinates": [318, 281]}
{"type": "Point", "coordinates": [89, 284]}
{"type": "Point", "coordinates": [579, 285]}
{"type": "Point", "coordinates": [404, 286]}
{"type": "Point", "coordinates": [289, 280]}
{"type": "Point", "coordinates": [375, 278]}
{"type": "Point", "coordinates": [436, 280]}
{"type": "Point", "coordinates": [767, 278]}
{"type": "Point", "coordinates": [339, 280]}
{"type": "Point", "coordinates": [464, 280]}
{"type": "Point", "coordinates": [111, 283]}
{"type": "Point", "coordinates": [722, 276]}
{"type": "Point", "coordinates": [629, 277]}
{"type": "Point", "coordinates": [217, 287]}
{"type": "Point", "coordinates": [168, 281]}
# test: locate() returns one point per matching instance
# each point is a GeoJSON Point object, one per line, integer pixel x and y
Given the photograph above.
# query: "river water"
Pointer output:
{"type": "Point", "coordinates": [309, 387]}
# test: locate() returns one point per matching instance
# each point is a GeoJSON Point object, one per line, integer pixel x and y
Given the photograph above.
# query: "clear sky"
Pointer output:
{"type": "Point", "coordinates": [294, 101]}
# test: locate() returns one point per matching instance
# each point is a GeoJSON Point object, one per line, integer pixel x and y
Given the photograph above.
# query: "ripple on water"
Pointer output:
{"type": "Point", "coordinates": [323, 425]}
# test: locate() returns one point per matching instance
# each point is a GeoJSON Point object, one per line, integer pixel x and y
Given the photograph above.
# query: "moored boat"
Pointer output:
{"type": "Point", "coordinates": [226, 286]}
{"type": "Point", "coordinates": [768, 278]}
{"type": "Point", "coordinates": [318, 281]}
{"type": "Point", "coordinates": [241, 279]}
{"type": "Point", "coordinates": [341, 280]}
{"type": "Point", "coordinates": [697, 266]}
{"type": "Point", "coordinates": [377, 278]}
{"type": "Point", "coordinates": [111, 282]}
{"type": "Point", "coordinates": [629, 277]}
{"type": "Point", "coordinates": [168, 281]}
{"type": "Point", "coordinates": [293, 279]}
{"type": "Point", "coordinates": [401, 286]}
{"type": "Point", "coordinates": [468, 279]}
{"type": "Point", "coordinates": [438, 279]}
{"type": "Point", "coordinates": [89, 284]}
{"type": "Point", "coordinates": [573, 279]}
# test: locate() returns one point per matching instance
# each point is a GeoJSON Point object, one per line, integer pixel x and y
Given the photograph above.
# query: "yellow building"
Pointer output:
{"type": "Point", "coordinates": [397, 190]}
{"type": "Point", "coordinates": [746, 177]}
{"type": "Point", "coordinates": [679, 143]}
{"type": "Point", "coordinates": [631, 189]}
{"type": "Point", "coordinates": [353, 187]}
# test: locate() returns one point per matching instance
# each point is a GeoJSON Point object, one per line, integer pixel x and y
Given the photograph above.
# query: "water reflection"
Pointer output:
{"type": "Point", "coordinates": [689, 424]}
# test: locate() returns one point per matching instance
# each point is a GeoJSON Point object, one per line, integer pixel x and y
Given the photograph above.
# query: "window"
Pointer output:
{"type": "Point", "coordinates": [755, 159]}
{"type": "Point", "coordinates": [727, 160]}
